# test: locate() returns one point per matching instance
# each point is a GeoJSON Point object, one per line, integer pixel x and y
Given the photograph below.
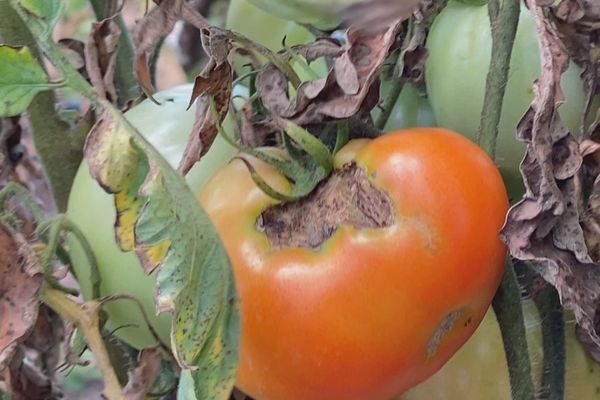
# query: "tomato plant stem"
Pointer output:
{"type": "Point", "coordinates": [553, 342]}
{"type": "Point", "coordinates": [58, 146]}
{"type": "Point", "coordinates": [504, 21]}
{"type": "Point", "coordinates": [507, 306]}
{"type": "Point", "coordinates": [397, 84]}
{"type": "Point", "coordinates": [86, 317]}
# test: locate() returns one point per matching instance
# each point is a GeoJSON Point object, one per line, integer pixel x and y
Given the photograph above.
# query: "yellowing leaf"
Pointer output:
{"type": "Point", "coordinates": [159, 217]}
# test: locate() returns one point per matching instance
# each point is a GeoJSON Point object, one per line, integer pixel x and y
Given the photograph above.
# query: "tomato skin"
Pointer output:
{"type": "Point", "coordinates": [456, 71]}
{"type": "Point", "coordinates": [410, 110]}
{"type": "Point", "coordinates": [479, 368]}
{"type": "Point", "coordinates": [322, 14]}
{"type": "Point", "coordinates": [272, 32]}
{"type": "Point", "coordinates": [326, 324]}
{"type": "Point", "coordinates": [167, 128]}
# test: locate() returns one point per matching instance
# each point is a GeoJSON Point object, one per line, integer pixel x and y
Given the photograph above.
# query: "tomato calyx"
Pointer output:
{"type": "Point", "coordinates": [346, 197]}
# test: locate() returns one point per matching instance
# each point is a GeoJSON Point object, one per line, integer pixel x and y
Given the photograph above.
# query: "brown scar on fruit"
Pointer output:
{"type": "Point", "coordinates": [444, 327]}
{"type": "Point", "coordinates": [347, 197]}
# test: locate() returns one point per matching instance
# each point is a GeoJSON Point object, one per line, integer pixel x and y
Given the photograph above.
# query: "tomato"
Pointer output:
{"type": "Point", "coordinates": [264, 28]}
{"type": "Point", "coordinates": [167, 128]}
{"type": "Point", "coordinates": [479, 371]}
{"type": "Point", "coordinates": [410, 110]}
{"type": "Point", "coordinates": [270, 31]}
{"type": "Point", "coordinates": [456, 70]}
{"type": "Point", "coordinates": [365, 313]}
{"type": "Point", "coordinates": [322, 14]}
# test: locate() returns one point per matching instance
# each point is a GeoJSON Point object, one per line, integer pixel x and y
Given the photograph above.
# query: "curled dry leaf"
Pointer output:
{"type": "Point", "coordinates": [215, 82]}
{"type": "Point", "coordinates": [157, 24]}
{"type": "Point", "coordinates": [31, 374]}
{"type": "Point", "coordinates": [20, 282]}
{"type": "Point", "coordinates": [351, 87]}
{"type": "Point", "coordinates": [411, 62]}
{"type": "Point", "coordinates": [101, 57]}
{"type": "Point", "coordinates": [144, 375]}
{"type": "Point", "coordinates": [544, 227]}
{"type": "Point", "coordinates": [578, 21]}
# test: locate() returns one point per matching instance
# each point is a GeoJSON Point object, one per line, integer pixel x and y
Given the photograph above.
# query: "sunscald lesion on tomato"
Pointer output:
{"type": "Point", "coordinates": [322, 322]}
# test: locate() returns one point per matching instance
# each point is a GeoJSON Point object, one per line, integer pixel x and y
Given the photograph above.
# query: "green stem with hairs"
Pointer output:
{"type": "Point", "coordinates": [60, 148]}
{"type": "Point", "coordinates": [509, 313]}
{"type": "Point", "coordinates": [553, 342]}
{"type": "Point", "coordinates": [504, 19]}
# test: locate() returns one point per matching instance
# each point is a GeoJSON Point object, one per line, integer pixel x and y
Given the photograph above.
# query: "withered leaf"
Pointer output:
{"type": "Point", "coordinates": [157, 24]}
{"type": "Point", "coordinates": [101, 57]}
{"type": "Point", "coordinates": [144, 375]}
{"type": "Point", "coordinates": [20, 282]}
{"type": "Point", "coordinates": [215, 82]}
{"type": "Point", "coordinates": [350, 87]}
{"type": "Point", "coordinates": [322, 47]}
{"type": "Point", "coordinates": [366, 52]}
{"type": "Point", "coordinates": [544, 227]}
{"type": "Point", "coordinates": [31, 374]}
{"type": "Point", "coordinates": [411, 62]}
{"type": "Point", "coordinates": [217, 44]}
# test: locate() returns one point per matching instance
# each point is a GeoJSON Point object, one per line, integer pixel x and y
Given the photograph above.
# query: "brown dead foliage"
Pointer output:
{"type": "Point", "coordinates": [548, 226]}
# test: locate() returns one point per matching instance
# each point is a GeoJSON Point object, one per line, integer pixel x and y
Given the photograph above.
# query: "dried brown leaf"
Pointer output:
{"type": "Point", "coordinates": [215, 82]}
{"type": "Point", "coordinates": [545, 226]}
{"type": "Point", "coordinates": [144, 375]}
{"type": "Point", "coordinates": [253, 129]}
{"type": "Point", "coordinates": [272, 85]}
{"type": "Point", "coordinates": [411, 62]}
{"type": "Point", "coordinates": [20, 282]}
{"type": "Point", "coordinates": [75, 50]}
{"type": "Point", "coordinates": [216, 43]}
{"type": "Point", "coordinates": [366, 52]}
{"type": "Point", "coordinates": [24, 381]}
{"type": "Point", "coordinates": [157, 24]}
{"type": "Point", "coordinates": [101, 57]}
{"type": "Point", "coordinates": [322, 47]}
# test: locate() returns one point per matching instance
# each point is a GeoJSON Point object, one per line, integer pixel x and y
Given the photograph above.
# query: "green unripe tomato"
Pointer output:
{"type": "Point", "coordinates": [479, 370]}
{"type": "Point", "coordinates": [270, 31]}
{"type": "Point", "coordinates": [410, 110]}
{"type": "Point", "coordinates": [459, 46]}
{"type": "Point", "coordinates": [324, 14]}
{"type": "Point", "coordinates": [167, 128]}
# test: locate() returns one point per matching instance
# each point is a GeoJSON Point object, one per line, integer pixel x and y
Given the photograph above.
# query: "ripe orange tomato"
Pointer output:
{"type": "Point", "coordinates": [355, 312]}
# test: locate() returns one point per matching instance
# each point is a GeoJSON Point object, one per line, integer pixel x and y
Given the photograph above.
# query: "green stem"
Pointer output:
{"type": "Point", "coordinates": [13, 189]}
{"type": "Point", "coordinates": [504, 22]}
{"type": "Point", "coordinates": [125, 79]}
{"type": "Point", "coordinates": [390, 101]}
{"type": "Point", "coordinates": [507, 306]}
{"type": "Point", "coordinates": [59, 149]}
{"type": "Point", "coordinates": [504, 19]}
{"type": "Point", "coordinates": [86, 318]}
{"type": "Point", "coordinates": [63, 224]}
{"type": "Point", "coordinates": [553, 340]}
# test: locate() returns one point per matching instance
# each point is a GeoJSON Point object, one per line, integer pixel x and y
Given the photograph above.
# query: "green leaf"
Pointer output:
{"type": "Point", "coordinates": [47, 12]}
{"type": "Point", "coordinates": [310, 144]}
{"type": "Point", "coordinates": [159, 217]}
{"type": "Point", "coordinates": [21, 78]}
